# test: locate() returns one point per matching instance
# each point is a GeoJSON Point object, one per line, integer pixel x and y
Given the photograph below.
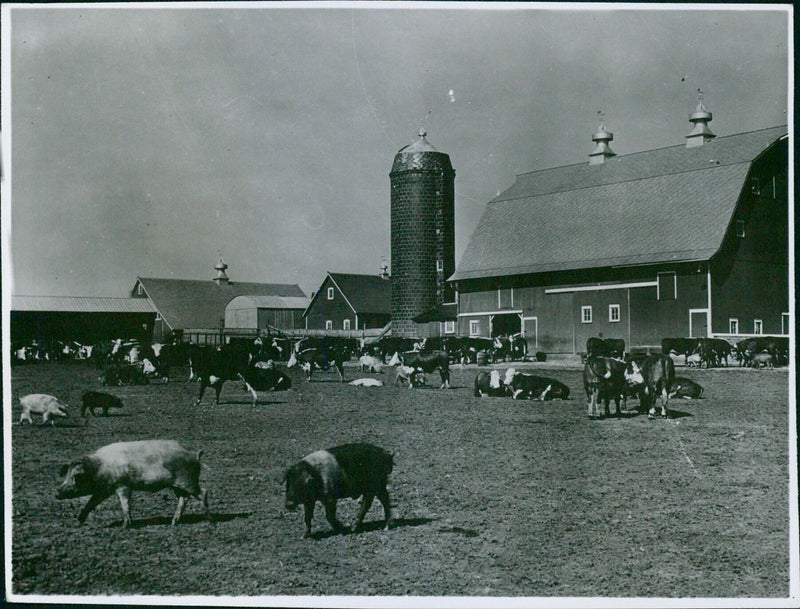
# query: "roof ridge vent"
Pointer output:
{"type": "Point", "coordinates": [602, 137]}
{"type": "Point", "coordinates": [221, 278]}
{"type": "Point", "coordinates": [700, 133]}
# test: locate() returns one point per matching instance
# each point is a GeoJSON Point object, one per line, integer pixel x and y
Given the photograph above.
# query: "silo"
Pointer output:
{"type": "Point", "coordinates": [423, 232]}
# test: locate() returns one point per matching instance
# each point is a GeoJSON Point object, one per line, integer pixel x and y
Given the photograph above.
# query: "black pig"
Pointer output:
{"type": "Point", "coordinates": [95, 399]}
{"type": "Point", "coordinates": [351, 470]}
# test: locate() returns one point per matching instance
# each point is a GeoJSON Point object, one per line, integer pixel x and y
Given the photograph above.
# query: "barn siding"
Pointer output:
{"type": "Point", "coordinates": [750, 274]}
{"type": "Point", "coordinates": [337, 310]}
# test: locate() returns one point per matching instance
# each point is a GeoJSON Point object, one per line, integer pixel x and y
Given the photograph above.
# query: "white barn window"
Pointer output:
{"type": "Point", "coordinates": [346, 324]}
{"type": "Point", "coordinates": [449, 327]}
{"type": "Point", "coordinates": [474, 327]}
{"type": "Point", "coordinates": [613, 312]}
{"type": "Point", "coordinates": [758, 326]}
{"type": "Point", "coordinates": [330, 293]}
{"type": "Point", "coordinates": [586, 314]}
{"type": "Point", "coordinates": [328, 324]}
{"type": "Point", "coordinates": [733, 325]}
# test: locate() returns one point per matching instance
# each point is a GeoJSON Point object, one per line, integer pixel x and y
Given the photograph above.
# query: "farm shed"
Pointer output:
{"type": "Point", "coordinates": [687, 240]}
{"type": "Point", "coordinates": [199, 305]}
{"type": "Point", "coordinates": [258, 312]}
{"type": "Point", "coordinates": [347, 301]}
{"type": "Point", "coordinates": [47, 319]}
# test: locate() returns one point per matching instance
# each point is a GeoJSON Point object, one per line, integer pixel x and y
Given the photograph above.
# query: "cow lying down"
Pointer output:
{"type": "Point", "coordinates": [686, 389]}
{"type": "Point", "coordinates": [366, 382]}
{"type": "Point", "coordinates": [531, 387]}
{"type": "Point", "coordinates": [121, 468]}
{"type": "Point", "coordinates": [490, 384]}
{"type": "Point", "coordinates": [45, 405]}
{"type": "Point", "coordinates": [351, 470]}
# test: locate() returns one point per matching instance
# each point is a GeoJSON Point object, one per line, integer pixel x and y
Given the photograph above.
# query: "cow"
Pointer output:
{"type": "Point", "coordinates": [762, 360]}
{"type": "Point", "coordinates": [43, 404]}
{"type": "Point", "coordinates": [370, 363]}
{"type": "Point", "coordinates": [695, 359]}
{"type": "Point", "coordinates": [124, 374]}
{"type": "Point", "coordinates": [427, 363]}
{"type": "Point", "coordinates": [406, 375]}
{"type": "Point", "coordinates": [490, 384]}
{"type": "Point", "coordinates": [604, 378]}
{"type": "Point", "coordinates": [124, 467]}
{"type": "Point", "coordinates": [321, 359]}
{"type": "Point", "coordinates": [366, 382]}
{"type": "Point", "coordinates": [264, 377]}
{"type": "Point", "coordinates": [655, 376]}
{"type": "Point", "coordinates": [470, 346]}
{"type": "Point", "coordinates": [96, 399]}
{"type": "Point", "coordinates": [679, 346]}
{"type": "Point", "coordinates": [777, 346]}
{"type": "Point", "coordinates": [605, 347]}
{"type": "Point", "coordinates": [391, 345]}
{"type": "Point", "coordinates": [532, 387]}
{"type": "Point", "coordinates": [350, 470]}
{"type": "Point", "coordinates": [686, 389]}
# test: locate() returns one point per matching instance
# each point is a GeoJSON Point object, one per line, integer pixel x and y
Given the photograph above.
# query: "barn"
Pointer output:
{"type": "Point", "coordinates": [348, 301]}
{"type": "Point", "coordinates": [266, 312]}
{"type": "Point", "coordinates": [87, 320]}
{"type": "Point", "coordinates": [686, 240]}
{"type": "Point", "coordinates": [197, 309]}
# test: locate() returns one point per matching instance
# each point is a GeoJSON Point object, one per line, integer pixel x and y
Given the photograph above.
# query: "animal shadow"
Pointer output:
{"type": "Point", "coordinates": [195, 518]}
{"type": "Point", "coordinates": [250, 402]}
{"type": "Point", "coordinates": [374, 525]}
{"type": "Point", "coordinates": [460, 531]}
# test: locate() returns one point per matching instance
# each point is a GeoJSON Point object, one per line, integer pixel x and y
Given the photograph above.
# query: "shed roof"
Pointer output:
{"type": "Point", "coordinates": [665, 205]}
{"type": "Point", "coordinates": [80, 304]}
{"type": "Point", "coordinates": [188, 303]}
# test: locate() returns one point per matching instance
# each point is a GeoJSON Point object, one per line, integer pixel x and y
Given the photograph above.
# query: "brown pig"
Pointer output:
{"type": "Point", "coordinates": [147, 465]}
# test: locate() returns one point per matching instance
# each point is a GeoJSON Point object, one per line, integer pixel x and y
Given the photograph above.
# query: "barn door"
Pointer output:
{"type": "Point", "coordinates": [530, 331]}
{"type": "Point", "coordinates": [698, 323]}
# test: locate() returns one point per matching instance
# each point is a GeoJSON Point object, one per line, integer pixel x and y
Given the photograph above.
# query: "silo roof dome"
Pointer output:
{"type": "Point", "coordinates": [421, 145]}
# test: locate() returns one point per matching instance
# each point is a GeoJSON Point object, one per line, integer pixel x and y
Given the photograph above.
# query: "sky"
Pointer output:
{"type": "Point", "coordinates": [151, 141]}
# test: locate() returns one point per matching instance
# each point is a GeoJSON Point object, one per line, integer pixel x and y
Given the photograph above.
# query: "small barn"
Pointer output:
{"type": "Point", "coordinates": [347, 301]}
{"type": "Point", "coordinates": [686, 240]}
{"type": "Point", "coordinates": [262, 312]}
{"type": "Point", "coordinates": [87, 320]}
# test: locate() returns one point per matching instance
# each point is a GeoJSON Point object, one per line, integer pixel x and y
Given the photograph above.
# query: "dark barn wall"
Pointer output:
{"type": "Point", "coordinates": [750, 274]}
{"type": "Point", "coordinates": [336, 310]}
{"type": "Point", "coordinates": [86, 328]}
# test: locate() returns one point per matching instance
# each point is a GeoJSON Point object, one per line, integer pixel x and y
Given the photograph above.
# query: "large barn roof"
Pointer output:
{"type": "Point", "coordinates": [665, 205]}
{"type": "Point", "coordinates": [187, 303]}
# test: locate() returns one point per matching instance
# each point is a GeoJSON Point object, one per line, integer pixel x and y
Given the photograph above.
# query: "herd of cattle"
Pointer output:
{"type": "Point", "coordinates": [353, 470]}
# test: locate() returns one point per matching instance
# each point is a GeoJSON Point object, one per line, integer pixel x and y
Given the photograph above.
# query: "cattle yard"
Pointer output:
{"type": "Point", "coordinates": [492, 496]}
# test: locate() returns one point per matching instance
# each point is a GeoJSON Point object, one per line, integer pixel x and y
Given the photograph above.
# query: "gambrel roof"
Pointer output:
{"type": "Point", "coordinates": [665, 205]}
{"type": "Point", "coordinates": [188, 303]}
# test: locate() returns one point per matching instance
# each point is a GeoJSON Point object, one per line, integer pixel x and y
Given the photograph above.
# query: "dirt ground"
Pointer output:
{"type": "Point", "coordinates": [493, 497]}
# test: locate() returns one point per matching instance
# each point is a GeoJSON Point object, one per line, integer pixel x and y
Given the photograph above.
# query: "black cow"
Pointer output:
{"type": "Point", "coordinates": [389, 345]}
{"type": "Point", "coordinates": [685, 388]}
{"type": "Point", "coordinates": [679, 346]}
{"type": "Point", "coordinates": [124, 374]}
{"type": "Point", "coordinates": [260, 377]}
{"type": "Point", "coordinates": [604, 378]}
{"type": "Point", "coordinates": [427, 363]}
{"type": "Point", "coordinates": [215, 365]}
{"type": "Point", "coordinates": [777, 346]}
{"type": "Point", "coordinates": [513, 348]}
{"type": "Point", "coordinates": [448, 344]}
{"type": "Point", "coordinates": [334, 354]}
{"type": "Point", "coordinates": [532, 387]}
{"type": "Point", "coordinates": [470, 346]}
{"type": "Point", "coordinates": [605, 347]}
{"type": "Point", "coordinates": [490, 384]}
{"type": "Point", "coordinates": [655, 376]}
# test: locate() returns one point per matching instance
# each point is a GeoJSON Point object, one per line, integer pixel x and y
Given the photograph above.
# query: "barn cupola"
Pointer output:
{"type": "Point", "coordinates": [221, 278]}
{"type": "Point", "coordinates": [602, 150]}
{"type": "Point", "coordinates": [700, 118]}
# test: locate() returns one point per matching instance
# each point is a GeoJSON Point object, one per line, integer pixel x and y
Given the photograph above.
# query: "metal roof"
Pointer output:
{"type": "Point", "coordinates": [79, 304]}
{"type": "Point", "coordinates": [267, 302]}
{"type": "Point", "coordinates": [666, 205]}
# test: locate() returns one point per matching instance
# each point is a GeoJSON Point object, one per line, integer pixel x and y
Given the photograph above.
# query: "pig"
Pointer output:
{"type": "Point", "coordinates": [95, 399]}
{"type": "Point", "coordinates": [350, 470]}
{"type": "Point", "coordinates": [149, 465]}
{"type": "Point", "coordinates": [45, 405]}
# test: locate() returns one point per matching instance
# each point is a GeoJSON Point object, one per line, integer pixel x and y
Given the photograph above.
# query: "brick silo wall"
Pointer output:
{"type": "Point", "coordinates": [422, 232]}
